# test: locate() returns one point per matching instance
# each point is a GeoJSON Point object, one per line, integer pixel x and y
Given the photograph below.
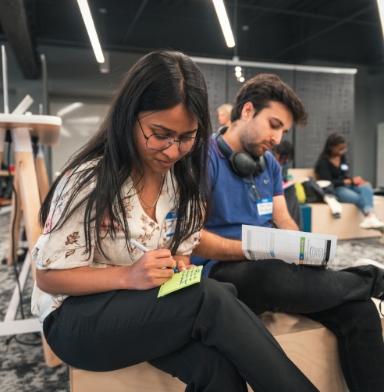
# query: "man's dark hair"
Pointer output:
{"type": "Point", "coordinates": [265, 88]}
{"type": "Point", "coordinates": [285, 149]}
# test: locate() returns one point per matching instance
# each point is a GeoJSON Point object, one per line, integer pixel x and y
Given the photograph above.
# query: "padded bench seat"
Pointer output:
{"type": "Point", "coordinates": [346, 227]}
{"type": "Point", "coordinates": [307, 343]}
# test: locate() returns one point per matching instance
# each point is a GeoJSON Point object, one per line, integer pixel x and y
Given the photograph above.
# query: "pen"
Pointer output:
{"type": "Point", "coordinates": [144, 249]}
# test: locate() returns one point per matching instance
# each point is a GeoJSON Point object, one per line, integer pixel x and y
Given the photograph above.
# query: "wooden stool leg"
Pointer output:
{"type": "Point", "coordinates": [14, 218]}
{"type": "Point", "coordinates": [30, 200]}
{"type": "Point", "coordinates": [41, 173]}
{"type": "Point", "coordinates": [2, 140]}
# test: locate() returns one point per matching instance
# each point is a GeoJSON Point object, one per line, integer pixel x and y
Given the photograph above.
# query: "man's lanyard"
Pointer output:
{"type": "Point", "coordinates": [260, 202]}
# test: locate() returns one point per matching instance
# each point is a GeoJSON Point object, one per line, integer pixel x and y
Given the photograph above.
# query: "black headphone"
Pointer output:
{"type": "Point", "coordinates": [242, 163]}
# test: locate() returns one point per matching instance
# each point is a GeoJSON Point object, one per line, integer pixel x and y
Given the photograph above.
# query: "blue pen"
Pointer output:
{"type": "Point", "coordinates": [144, 249]}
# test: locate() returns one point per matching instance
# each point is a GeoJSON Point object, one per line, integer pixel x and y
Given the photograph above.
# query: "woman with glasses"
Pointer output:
{"type": "Point", "coordinates": [123, 214]}
{"type": "Point", "coordinates": [332, 166]}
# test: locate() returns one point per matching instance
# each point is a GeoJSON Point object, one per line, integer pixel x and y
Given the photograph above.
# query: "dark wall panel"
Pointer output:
{"type": "Point", "coordinates": [328, 97]}
{"type": "Point", "coordinates": [215, 77]}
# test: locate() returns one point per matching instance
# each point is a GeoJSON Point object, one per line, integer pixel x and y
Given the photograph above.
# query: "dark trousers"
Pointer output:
{"type": "Point", "coordinates": [202, 334]}
{"type": "Point", "coordinates": [340, 300]}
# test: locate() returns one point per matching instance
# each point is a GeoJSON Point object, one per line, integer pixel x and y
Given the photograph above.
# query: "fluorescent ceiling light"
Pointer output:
{"type": "Point", "coordinates": [380, 4]}
{"type": "Point", "coordinates": [224, 22]}
{"type": "Point", "coordinates": [69, 108]}
{"type": "Point", "coordinates": [88, 21]}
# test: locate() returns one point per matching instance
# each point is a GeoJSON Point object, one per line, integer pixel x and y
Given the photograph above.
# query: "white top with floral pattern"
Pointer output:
{"type": "Point", "coordinates": [65, 248]}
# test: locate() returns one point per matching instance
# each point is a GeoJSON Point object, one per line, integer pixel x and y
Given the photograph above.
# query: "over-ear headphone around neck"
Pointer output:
{"type": "Point", "coordinates": [242, 163]}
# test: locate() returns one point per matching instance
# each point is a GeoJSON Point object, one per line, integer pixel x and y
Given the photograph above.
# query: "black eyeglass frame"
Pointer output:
{"type": "Point", "coordinates": [168, 137]}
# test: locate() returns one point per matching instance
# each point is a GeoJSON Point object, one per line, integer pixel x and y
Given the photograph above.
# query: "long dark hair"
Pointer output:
{"type": "Point", "coordinates": [333, 140]}
{"type": "Point", "coordinates": [158, 81]}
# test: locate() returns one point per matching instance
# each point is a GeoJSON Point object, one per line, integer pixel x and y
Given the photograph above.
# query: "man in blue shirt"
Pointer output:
{"type": "Point", "coordinates": [247, 189]}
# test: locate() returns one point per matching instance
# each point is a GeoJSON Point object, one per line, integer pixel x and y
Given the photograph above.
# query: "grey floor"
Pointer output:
{"type": "Point", "coordinates": [22, 367]}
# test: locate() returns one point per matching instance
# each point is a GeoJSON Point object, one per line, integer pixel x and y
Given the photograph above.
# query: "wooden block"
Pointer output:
{"type": "Point", "coordinates": [283, 323]}
{"type": "Point", "coordinates": [50, 358]}
{"type": "Point", "coordinates": [307, 343]}
{"type": "Point", "coordinates": [315, 353]}
{"type": "Point", "coordinates": [346, 227]}
{"type": "Point", "coordinates": [139, 378]}
{"type": "Point", "coordinates": [301, 174]}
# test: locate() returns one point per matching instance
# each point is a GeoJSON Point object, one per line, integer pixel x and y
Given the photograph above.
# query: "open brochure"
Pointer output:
{"type": "Point", "coordinates": [289, 245]}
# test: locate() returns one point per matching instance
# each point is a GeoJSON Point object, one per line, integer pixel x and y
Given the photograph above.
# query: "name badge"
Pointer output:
{"type": "Point", "coordinates": [170, 223]}
{"type": "Point", "coordinates": [344, 166]}
{"type": "Point", "coordinates": [265, 207]}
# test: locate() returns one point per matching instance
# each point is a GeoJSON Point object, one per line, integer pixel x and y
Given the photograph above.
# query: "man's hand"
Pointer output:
{"type": "Point", "coordinates": [281, 214]}
{"type": "Point", "coordinates": [215, 247]}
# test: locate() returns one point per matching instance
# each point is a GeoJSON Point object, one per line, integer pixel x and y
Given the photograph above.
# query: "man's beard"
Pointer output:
{"type": "Point", "coordinates": [255, 149]}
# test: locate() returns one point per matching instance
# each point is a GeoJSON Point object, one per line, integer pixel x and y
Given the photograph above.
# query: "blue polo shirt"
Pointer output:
{"type": "Point", "coordinates": [232, 204]}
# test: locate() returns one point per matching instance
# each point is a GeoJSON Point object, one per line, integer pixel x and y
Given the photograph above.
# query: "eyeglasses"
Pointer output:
{"type": "Point", "coordinates": [253, 193]}
{"type": "Point", "coordinates": [162, 142]}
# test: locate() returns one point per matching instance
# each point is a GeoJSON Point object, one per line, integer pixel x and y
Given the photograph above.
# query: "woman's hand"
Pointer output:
{"type": "Point", "coordinates": [154, 268]}
{"type": "Point", "coordinates": [359, 181]}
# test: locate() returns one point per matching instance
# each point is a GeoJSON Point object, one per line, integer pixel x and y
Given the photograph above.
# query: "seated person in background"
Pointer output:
{"type": "Point", "coordinates": [332, 166]}
{"type": "Point", "coordinates": [142, 177]}
{"type": "Point", "coordinates": [284, 153]}
{"type": "Point", "coordinates": [223, 113]}
{"type": "Point", "coordinates": [264, 109]}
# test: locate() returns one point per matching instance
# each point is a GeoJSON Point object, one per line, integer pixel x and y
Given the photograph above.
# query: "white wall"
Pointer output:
{"type": "Point", "coordinates": [77, 128]}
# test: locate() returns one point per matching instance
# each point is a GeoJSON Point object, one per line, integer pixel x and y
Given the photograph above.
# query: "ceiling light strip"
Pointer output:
{"type": "Point", "coordinates": [224, 22]}
{"type": "Point", "coordinates": [89, 24]}
{"type": "Point", "coordinates": [290, 67]}
{"type": "Point", "coordinates": [380, 4]}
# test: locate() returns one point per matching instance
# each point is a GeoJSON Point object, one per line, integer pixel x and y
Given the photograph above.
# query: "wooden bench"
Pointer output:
{"type": "Point", "coordinates": [346, 227]}
{"type": "Point", "coordinates": [307, 343]}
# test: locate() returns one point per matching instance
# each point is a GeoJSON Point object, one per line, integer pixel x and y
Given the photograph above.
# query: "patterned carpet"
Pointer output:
{"type": "Point", "coordinates": [22, 366]}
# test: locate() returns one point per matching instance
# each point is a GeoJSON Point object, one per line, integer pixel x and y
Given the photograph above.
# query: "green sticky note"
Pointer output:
{"type": "Point", "coordinates": [180, 280]}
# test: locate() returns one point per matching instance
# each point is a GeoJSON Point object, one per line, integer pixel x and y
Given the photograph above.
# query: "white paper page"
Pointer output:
{"type": "Point", "coordinates": [289, 245]}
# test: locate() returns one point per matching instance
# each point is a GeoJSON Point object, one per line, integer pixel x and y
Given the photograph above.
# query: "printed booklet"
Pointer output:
{"type": "Point", "coordinates": [289, 245]}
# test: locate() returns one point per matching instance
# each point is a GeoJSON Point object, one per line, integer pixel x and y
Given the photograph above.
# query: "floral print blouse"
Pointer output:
{"type": "Point", "coordinates": [66, 248]}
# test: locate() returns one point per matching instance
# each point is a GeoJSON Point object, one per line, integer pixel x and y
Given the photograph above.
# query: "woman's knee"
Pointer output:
{"type": "Point", "coordinates": [213, 287]}
{"type": "Point", "coordinates": [367, 187]}
{"type": "Point", "coordinates": [346, 195]}
{"type": "Point", "coordinates": [366, 190]}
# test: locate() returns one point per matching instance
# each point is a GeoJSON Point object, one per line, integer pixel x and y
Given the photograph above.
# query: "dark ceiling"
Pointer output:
{"type": "Point", "coordinates": [347, 32]}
